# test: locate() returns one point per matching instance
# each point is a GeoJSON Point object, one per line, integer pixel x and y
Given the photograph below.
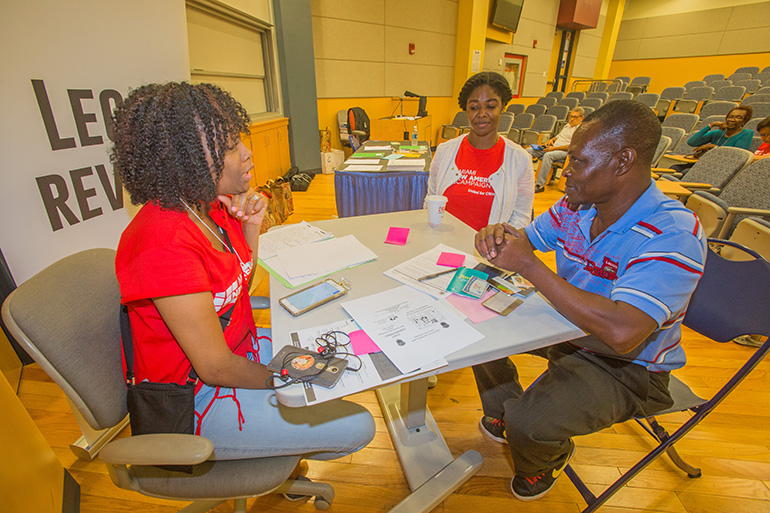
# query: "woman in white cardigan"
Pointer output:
{"type": "Point", "coordinates": [486, 178]}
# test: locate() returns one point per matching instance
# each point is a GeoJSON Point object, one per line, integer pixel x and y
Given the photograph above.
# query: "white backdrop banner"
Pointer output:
{"type": "Point", "coordinates": [64, 66]}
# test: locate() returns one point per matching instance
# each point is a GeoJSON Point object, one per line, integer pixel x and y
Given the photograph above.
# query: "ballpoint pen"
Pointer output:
{"type": "Point", "coordinates": [434, 275]}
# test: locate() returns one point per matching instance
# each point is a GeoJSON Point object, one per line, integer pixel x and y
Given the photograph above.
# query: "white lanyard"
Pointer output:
{"type": "Point", "coordinates": [246, 269]}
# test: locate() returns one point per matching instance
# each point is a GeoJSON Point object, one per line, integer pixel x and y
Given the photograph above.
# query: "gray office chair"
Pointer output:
{"type": "Point", "coordinates": [505, 122]}
{"type": "Point", "coordinates": [761, 109]}
{"type": "Point", "coordinates": [756, 142]}
{"type": "Point", "coordinates": [663, 145]}
{"type": "Point", "coordinates": [708, 120]}
{"type": "Point", "coordinates": [751, 70]}
{"type": "Point", "coordinates": [694, 83]}
{"type": "Point", "coordinates": [587, 110]}
{"type": "Point", "coordinates": [713, 77]}
{"type": "Point", "coordinates": [580, 95]}
{"type": "Point", "coordinates": [548, 101]}
{"type": "Point", "coordinates": [752, 123]}
{"type": "Point", "coordinates": [520, 123]}
{"type": "Point", "coordinates": [720, 108]}
{"type": "Point", "coordinates": [728, 93]}
{"type": "Point", "coordinates": [66, 318]}
{"type": "Point", "coordinates": [674, 133]}
{"type": "Point", "coordinates": [342, 124]}
{"type": "Point", "coordinates": [570, 102]}
{"type": "Point", "coordinates": [638, 85]}
{"type": "Point", "coordinates": [751, 85]}
{"type": "Point", "coordinates": [763, 90]}
{"type": "Point", "coordinates": [560, 111]}
{"type": "Point", "coordinates": [459, 124]}
{"type": "Point", "coordinates": [682, 120]}
{"type": "Point", "coordinates": [536, 109]}
{"type": "Point", "coordinates": [620, 96]}
{"type": "Point", "coordinates": [744, 195]}
{"type": "Point", "coordinates": [667, 98]}
{"type": "Point", "coordinates": [598, 94]}
{"type": "Point", "coordinates": [756, 98]}
{"type": "Point", "coordinates": [735, 77]}
{"type": "Point", "coordinates": [515, 108]}
{"type": "Point", "coordinates": [649, 99]}
{"type": "Point", "coordinates": [555, 94]}
{"type": "Point", "coordinates": [541, 130]}
{"type": "Point", "coordinates": [693, 98]}
{"type": "Point", "coordinates": [594, 103]}
{"type": "Point", "coordinates": [764, 78]}
{"type": "Point", "coordinates": [719, 84]}
{"type": "Point", "coordinates": [715, 168]}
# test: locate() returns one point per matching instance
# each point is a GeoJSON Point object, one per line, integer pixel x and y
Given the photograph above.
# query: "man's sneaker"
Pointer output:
{"type": "Point", "coordinates": [532, 488]}
{"type": "Point", "coordinates": [493, 428]}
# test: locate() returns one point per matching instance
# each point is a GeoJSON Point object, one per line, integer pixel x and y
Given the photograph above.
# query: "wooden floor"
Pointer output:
{"type": "Point", "coordinates": [732, 446]}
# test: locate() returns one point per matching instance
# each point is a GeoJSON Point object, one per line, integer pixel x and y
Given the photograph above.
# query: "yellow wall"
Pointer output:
{"type": "Point", "coordinates": [678, 71]}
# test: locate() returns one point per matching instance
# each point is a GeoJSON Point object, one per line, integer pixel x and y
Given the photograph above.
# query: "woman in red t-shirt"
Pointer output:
{"type": "Point", "coordinates": [487, 179]}
{"type": "Point", "coordinates": [763, 127]}
{"type": "Point", "coordinates": [186, 259]}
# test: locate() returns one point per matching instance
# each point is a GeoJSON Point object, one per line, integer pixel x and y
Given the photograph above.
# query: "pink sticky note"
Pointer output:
{"type": "Point", "coordinates": [472, 307]}
{"type": "Point", "coordinates": [451, 259]}
{"type": "Point", "coordinates": [362, 344]}
{"type": "Point", "coordinates": [397, 236]}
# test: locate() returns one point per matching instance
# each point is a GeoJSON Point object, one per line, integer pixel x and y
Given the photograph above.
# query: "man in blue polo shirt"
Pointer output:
{"type": "Point", "coordinates": [627, 260]}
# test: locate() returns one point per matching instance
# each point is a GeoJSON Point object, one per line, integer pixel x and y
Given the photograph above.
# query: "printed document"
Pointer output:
{"type": "Point", "coordinates": [289, 236]}
{"type": "Point", "coordinates": [411, 328]}
{"type": "Point", "coordinates": [410, 271]}
{"type": "Point", "coordinates": [325, 256]}
{"type": "Point", "coordinates": [375, 368]}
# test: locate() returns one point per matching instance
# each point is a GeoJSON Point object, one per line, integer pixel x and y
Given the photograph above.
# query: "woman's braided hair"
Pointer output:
{"type": "Point", "coordinates": [158, 152]}
{"type": "Point", "coordinates": [496, 81]}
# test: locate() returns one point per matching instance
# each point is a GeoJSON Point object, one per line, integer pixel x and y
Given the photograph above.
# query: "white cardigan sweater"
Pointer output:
{"type": "Point", "coordinates": [513, 183]}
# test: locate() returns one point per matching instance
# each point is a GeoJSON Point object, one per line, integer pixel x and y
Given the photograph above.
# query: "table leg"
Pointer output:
{"type": "Point", "coordinates": [431, 471]}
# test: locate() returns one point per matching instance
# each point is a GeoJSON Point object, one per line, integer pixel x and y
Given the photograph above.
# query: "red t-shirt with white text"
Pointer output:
{"type": "Point", "coordinates": [470, 198]}
{"type": "Point", "coordinates": [163, 253]}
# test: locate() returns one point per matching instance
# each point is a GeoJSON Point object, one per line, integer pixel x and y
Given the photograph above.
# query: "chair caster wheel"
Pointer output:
{"type": "Point", "coordinates": [321, 504]}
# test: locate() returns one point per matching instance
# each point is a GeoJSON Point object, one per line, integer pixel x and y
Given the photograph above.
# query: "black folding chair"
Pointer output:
{"type": "Point", "coordinates": [731, 300]}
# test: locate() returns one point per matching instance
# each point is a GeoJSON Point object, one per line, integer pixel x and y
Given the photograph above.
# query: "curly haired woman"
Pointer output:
{"type": "Point", "coordinates": [185, 261]}
{"type": "Point", "coordinates": [487, 179]}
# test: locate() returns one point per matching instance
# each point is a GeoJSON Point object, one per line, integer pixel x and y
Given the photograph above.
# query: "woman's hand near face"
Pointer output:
{"type": "Point", "coordinates": [717, 125]}
{"type": "Point", "coordinates": [248, 207]}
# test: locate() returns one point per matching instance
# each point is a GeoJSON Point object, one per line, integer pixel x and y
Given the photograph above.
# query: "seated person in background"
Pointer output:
{"type": "Point", "coordinates": [185, 261]}
{"type": "Point", "coordinates": [486, 178]}
{"type": "Point", "coordinates": [764, 131]}
{"type": "Point", "coordinates": [627, 258]}
{"type": "Point", "coordinates": [556, 148]}
{"type": "Point", "coordinates": [729, 132]}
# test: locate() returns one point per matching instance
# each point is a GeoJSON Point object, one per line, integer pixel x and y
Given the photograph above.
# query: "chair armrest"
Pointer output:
{"type": "Point", "coordinates": [697, 185]}
{"type": "Point", "coordinates": [663, 170]}
{"type": "Point", "coordinates": [158, 449]}
{"type": "Point", "coordinates": [260, 302]}
{"type": "Point", "coordinates": [748, 211]}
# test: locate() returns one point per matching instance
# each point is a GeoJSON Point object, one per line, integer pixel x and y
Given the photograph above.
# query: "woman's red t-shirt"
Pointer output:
{"type": "Point", "coordinates": [163, 253]}
{"type": "Point", "coordinates": [470, 198]}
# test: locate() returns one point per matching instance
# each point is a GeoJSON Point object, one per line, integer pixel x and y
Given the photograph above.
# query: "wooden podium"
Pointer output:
{"type": "Point", "coordinates": [393, 128]}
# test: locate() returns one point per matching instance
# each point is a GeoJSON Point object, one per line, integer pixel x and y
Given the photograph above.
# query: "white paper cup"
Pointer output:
{"type": "Point", "coordinates": [436, 206]}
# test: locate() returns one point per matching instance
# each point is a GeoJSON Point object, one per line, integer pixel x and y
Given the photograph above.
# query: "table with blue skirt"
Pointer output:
{"type": "Point", "coordinates": [380, 190]}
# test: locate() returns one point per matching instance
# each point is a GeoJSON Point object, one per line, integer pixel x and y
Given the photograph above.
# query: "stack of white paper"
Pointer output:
{"type": "Point", "coordinates": [305, 263]}
{"type": "Point", "coordinates": [289, 236]}
{"type": "Point", "coordinates": [410, 271]}
{"type": "Point", "coordinates": [406, 165]}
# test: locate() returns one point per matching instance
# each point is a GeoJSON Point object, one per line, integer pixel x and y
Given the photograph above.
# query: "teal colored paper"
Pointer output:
{"type": "Point", "coordinates": [469, 283]}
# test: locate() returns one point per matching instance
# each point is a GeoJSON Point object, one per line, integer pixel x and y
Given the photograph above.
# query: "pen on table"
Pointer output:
{"type": "Point", "coordinates": [434, 275]}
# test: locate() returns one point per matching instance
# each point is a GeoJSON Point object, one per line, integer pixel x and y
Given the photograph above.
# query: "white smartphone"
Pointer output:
{"type": "Point", "coordinates": [313, 296]}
